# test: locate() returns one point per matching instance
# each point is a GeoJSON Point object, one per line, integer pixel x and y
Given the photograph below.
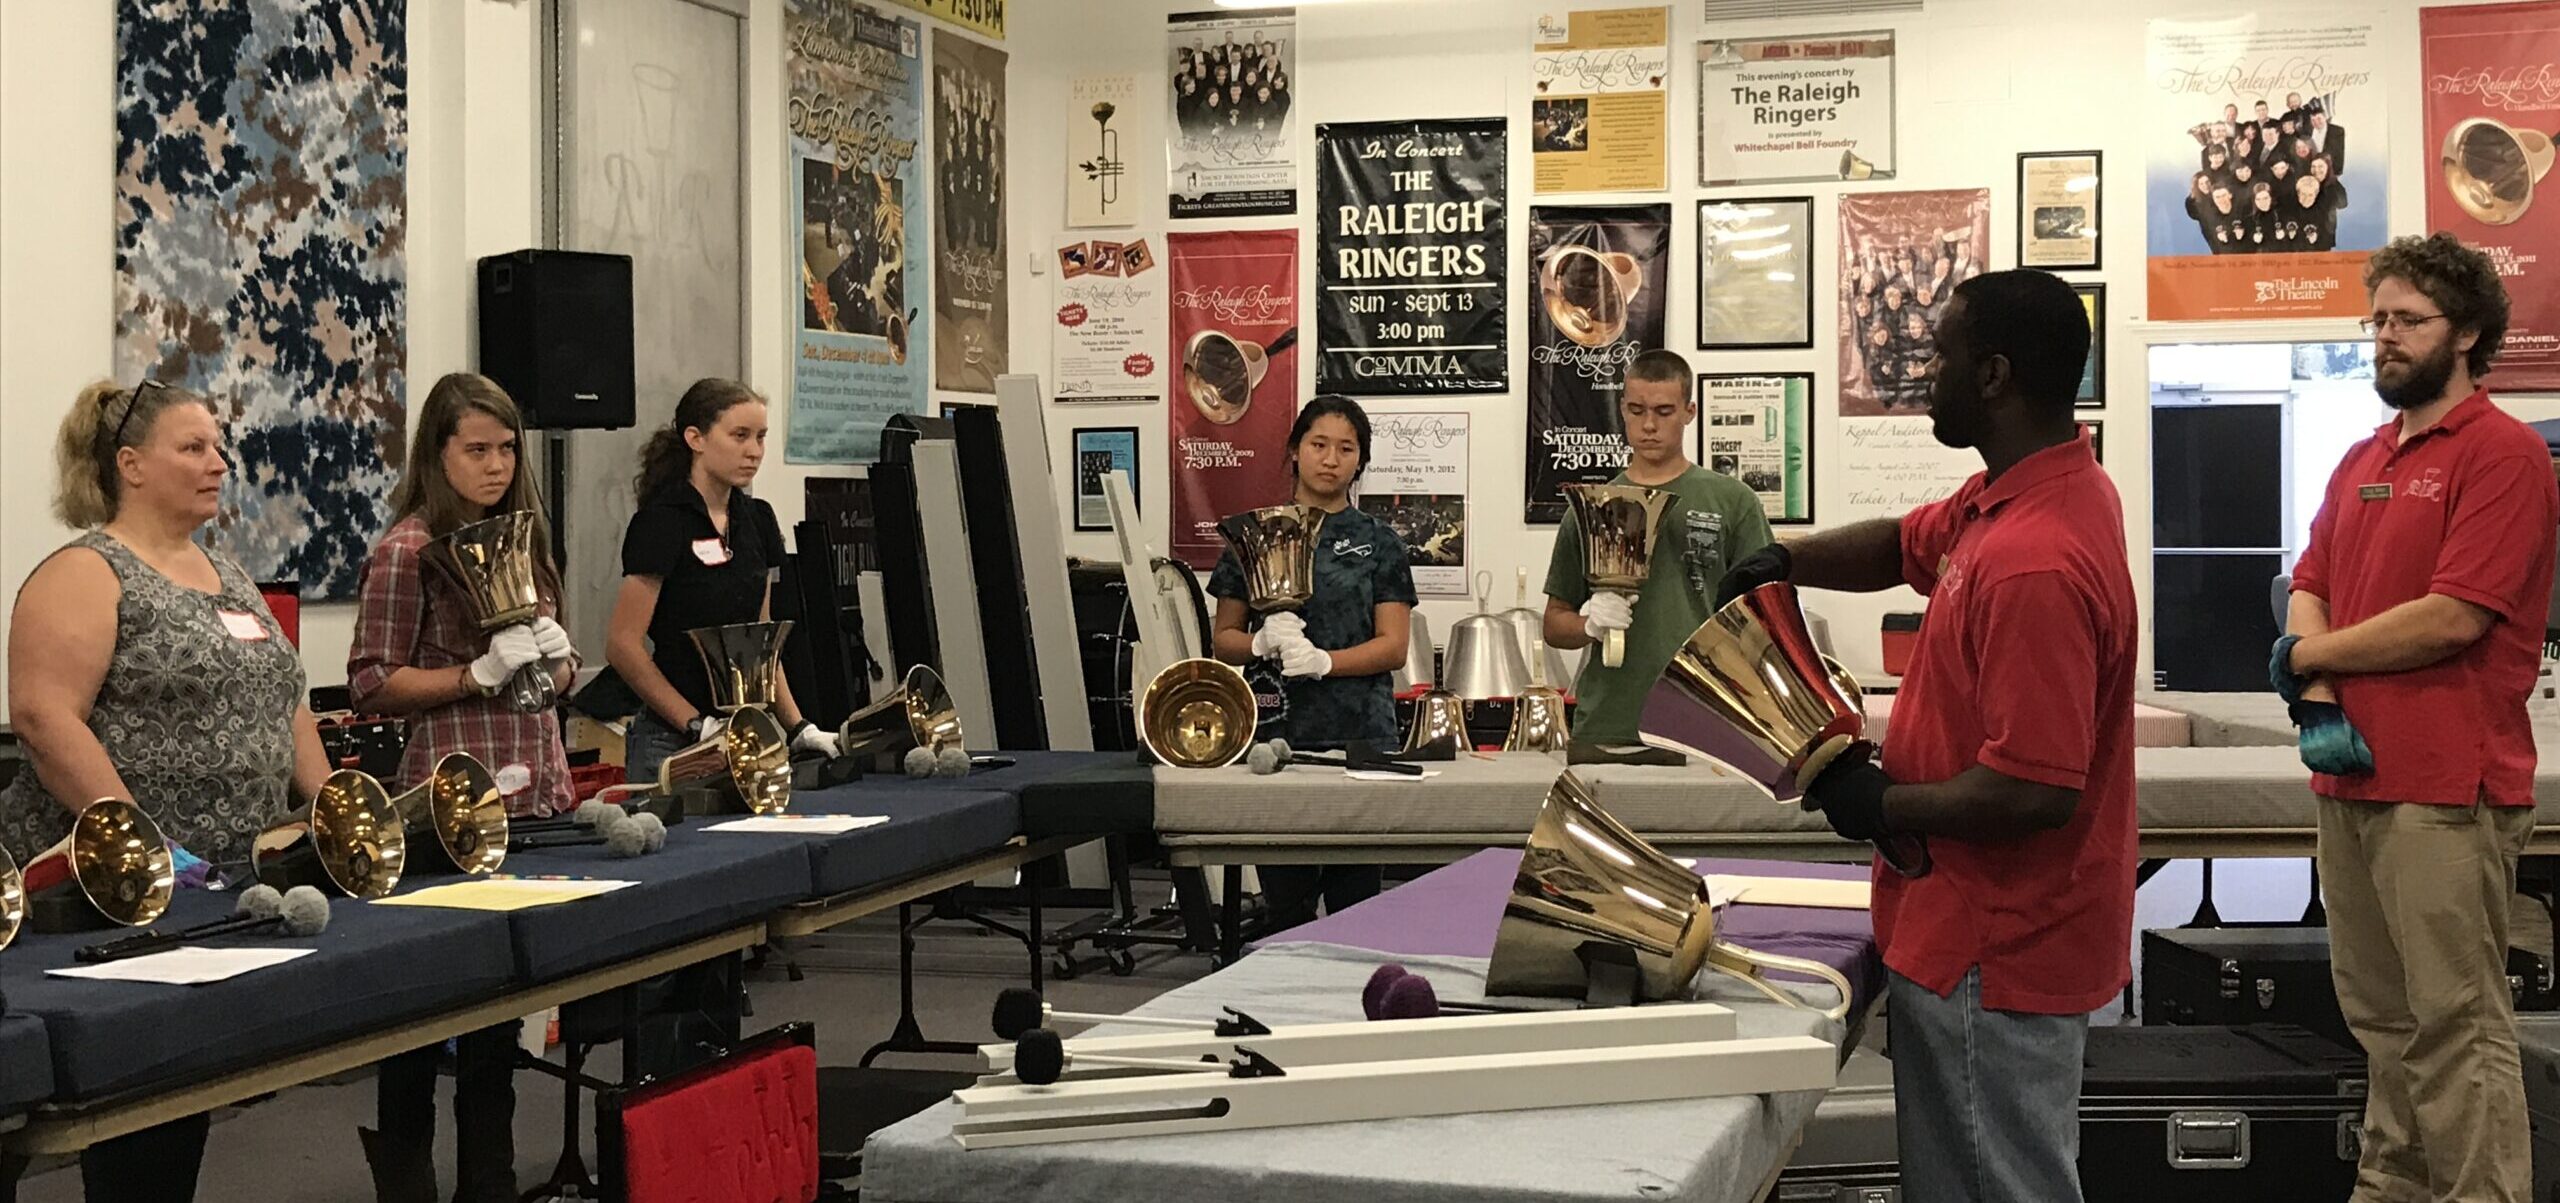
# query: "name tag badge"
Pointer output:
{"type": "Point", "coordinates": [2380, 492]}
{"type": "Point", "coordinates": [711, 552]}
{"type": "Point", "coordinates": [514, 778]}
{"type": "Point", "coordinates": [244, 627]}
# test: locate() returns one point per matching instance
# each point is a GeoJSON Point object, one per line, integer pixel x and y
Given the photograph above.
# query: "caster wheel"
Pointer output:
{"type": "Point", "coordinates": [1064, 968]}
{"type": "Point", "coordinates": [1123, 962]}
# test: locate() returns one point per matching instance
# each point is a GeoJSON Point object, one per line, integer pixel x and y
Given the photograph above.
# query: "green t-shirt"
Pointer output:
{"type": "Point", "coordinates": [1713, 520]}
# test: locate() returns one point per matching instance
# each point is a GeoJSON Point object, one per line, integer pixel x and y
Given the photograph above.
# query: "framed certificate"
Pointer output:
{"type": "Point", "coordinates": [1755, 274]}
{"type": "Point", "coordinates": [1758, 429]}
{"type": "Point", "coordinates": [2058, 215]}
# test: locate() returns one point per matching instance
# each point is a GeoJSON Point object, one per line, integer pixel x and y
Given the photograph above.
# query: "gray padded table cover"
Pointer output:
{"type": "Point", "coordinates": [2229, 720]}
{"type": "Point", "coordinates": [2188, 788]}
{"type": "Point", "coordinates": [1470, 796]}
{"type": "Point", "coordinates": [1695, 1151]}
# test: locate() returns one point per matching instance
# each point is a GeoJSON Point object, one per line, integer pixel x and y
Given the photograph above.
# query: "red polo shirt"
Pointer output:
{"type": "Point", "coordinates": [2025, 663]}
{"type": "Point", "coordinates": [2466, 509]}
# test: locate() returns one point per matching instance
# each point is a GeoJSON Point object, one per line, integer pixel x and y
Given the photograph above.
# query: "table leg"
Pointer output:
{"type": "Point", "coordinates": [1231, 917]}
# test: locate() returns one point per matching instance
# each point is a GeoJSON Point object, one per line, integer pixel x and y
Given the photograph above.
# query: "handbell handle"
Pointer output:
{"type": "Point", "coordinates": [1613, 647]}
{"type": "Point", "coordinates": [1751, 965]}
{"type": "Point", "coordinates": [532, 690]}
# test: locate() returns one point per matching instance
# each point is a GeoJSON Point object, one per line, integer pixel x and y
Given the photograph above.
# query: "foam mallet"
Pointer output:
{"type": "Point", "coordinates": [1040, 1058]}
{"type": "Point", "coordinates": [590, 815]}
{"type": "Point", "coordinates": [1020, 1010]}
{"type": "Point", "coordinates": [1394, 992]}
{"type": "Point", "coordinates": [300, 911]}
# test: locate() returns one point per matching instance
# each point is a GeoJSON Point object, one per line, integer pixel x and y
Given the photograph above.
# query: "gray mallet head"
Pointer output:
{"type": "Point", "coordinates": [306, 911]}
{"type": "Point", "coordinates": [260, 902]}
{"type": "Point", "coordinates": [625, 838]}
{"type": "Point", "coordinates": [1259, 759]}
{"type": "Point", "coordinates": [596, 812]}
{"type": "Point", "coordinates": [1280, 748]}
{"type": "Point", "coordinates": [951, 762]}
{"type": "Point", "coordinates": [652, 829]}
{"type": "Point", "coordinates": [919, 762]}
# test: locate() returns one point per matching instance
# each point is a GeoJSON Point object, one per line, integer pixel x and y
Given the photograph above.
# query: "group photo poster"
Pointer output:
{"type": "Point", "coordinates": [1228, 149]}
{"type": "Point", "coordinates": [970, 334]}
{"type": "Point", "coordinates": [1758, 429]}
{"type": "Point", "coordinates": [2059, 222]}
{"type": "Point", "coordinates": [2093, 374]}
{"type": "Point", "coordinates": [2256, 207]}
{"type": "Point", "coordinates": [1101, 451]}
{"type": "Point", "coordinates": [1411, 258]}
{"type": "Point", "coordinates": [2492, 79]}
{"type": "Point", "coordinates": [856, 115]}
{"type": "Point", "coordinates": [1416, 482]}
{"type": "Point", "coordinates": [1600, 275]}
{"type": "Point", "coordinates": [1110, 313]}
{"type": "Point", "coordinates": [1755, 274]}
{"type": "Point", "coordinates": [1235, 364]}
{"type": "Point", "coordinates": [1796, 109]}
{"type": "Point", "coordinates": [1600, 100]}
{"type": "Point", "coordinates": [1103, 117]}
{"type": "Point", "coordinates": [1901, 256]}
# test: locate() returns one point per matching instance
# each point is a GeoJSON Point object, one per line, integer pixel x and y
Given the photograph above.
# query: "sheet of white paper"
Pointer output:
{"type": "Point", "coordinates": [1384, 775]}
{"type": "Point", "coordinates": [802, 824]}
{"type": "Point", "coordinates": [187, 965]}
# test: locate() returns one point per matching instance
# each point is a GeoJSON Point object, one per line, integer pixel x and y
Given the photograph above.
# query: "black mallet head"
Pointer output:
{"type": "Point", "coordinates": [1018, 1011]}
{"type": "Point", "coordinates": [1039, 1056]}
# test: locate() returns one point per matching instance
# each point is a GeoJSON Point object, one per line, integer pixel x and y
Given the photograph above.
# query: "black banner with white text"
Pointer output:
{"type": "Point", "coordinates": [1599, 276]}
{"type": "Point", "coordinates": [1410, 248]}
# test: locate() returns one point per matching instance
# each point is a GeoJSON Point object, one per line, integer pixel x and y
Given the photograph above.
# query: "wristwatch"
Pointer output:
{"type": "Point", "coordinates": [471, 681]}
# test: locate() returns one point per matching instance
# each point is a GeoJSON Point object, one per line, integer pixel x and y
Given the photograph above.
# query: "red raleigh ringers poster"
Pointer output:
{"type": "Point", "coordinates": [1235, 379]}
{"type": "Point", "coordinates": [2493, 94]}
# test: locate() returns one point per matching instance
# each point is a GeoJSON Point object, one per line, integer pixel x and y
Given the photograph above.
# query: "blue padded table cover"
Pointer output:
{"type": "Point", "coordinates": [699, 885]}
{"type": "Point", "coordinates": [1101, 793]}
{"type": "Point", "coordinates": [375, 967]}
{"type": "Point", "coordinates": [26, 1063]}
{"type": "Point", "coordinates": [932, 823]}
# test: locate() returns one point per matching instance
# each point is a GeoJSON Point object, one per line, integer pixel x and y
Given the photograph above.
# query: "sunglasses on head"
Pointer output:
{"type": "Point", "coordinates": [133, 402]}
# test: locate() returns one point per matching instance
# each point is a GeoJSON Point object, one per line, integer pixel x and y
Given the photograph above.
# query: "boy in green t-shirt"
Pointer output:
{"type": "Point", "coordinates": [1713, 521]}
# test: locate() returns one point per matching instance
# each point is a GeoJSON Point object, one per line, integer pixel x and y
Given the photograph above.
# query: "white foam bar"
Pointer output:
{"type": "Point", "coordinates": [1416, 1039]}
{"type": "Point", "coordinates": [1042, 551]}
{"type": "Point", "coordinates": [957, 637]}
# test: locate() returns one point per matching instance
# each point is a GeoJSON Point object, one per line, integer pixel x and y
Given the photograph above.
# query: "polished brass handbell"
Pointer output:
{"type": "Point", "coordinates": [920, 714]}
{"type": "Point", "coordinates": [1586, 884]}
{"type": "Point", "coordinates": [744, 661]}
{"type": "Point", "coordinates": [1619, 524]}
{"type": "Point", "coordinates": [113, 870]}
{"type": "Point", "coordinates": [1439, 730]}
{"type": "Point", "coordinates": [1538, 722]}
{"type": "Point", "coordinates": [746, 767]}
{"type": "Point", "coordinates": [455, 821]}
{"type": "Point", "coordinates": [1749, 690]}
{"type": "Point", "coordinates": [1276, 548]}
{"type": "Point", "coordinates": [348, 837]}
{"type": "Point", "coordinates": [13, 898]}
{"type": "Point", "coordinates": [1197, 714]}
{"type": "Point", "coordinates": [496, 564]}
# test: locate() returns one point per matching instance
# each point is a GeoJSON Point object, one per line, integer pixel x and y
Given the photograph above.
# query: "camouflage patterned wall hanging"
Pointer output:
{"type": "Point", "coordinates": [261, 244]}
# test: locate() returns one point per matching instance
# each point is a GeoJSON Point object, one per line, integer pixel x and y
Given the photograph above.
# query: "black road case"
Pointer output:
{"type": "Point", "coordinates": [2242, 974]}
{"type": "Point", "coordinates": [2203, 1114]}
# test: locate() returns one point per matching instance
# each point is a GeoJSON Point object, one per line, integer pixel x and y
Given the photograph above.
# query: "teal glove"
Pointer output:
{"type": "Point", "coordinates": [2289, 684]}
{"type": "Point", "coordinates": [2328, 742]}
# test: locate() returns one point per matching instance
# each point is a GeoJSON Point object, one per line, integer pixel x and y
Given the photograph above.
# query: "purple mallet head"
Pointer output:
{"type": "Point", "coordinates": [1410, 998]}
{"type": "Point", "coordinates": [1374, 995]}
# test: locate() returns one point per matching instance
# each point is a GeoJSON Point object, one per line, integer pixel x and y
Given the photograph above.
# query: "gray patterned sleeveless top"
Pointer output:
{"type": "Point", "coordinates": [198, 721]}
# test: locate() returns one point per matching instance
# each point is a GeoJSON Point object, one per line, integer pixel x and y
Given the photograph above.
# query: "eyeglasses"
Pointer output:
{"type": "Point", "coordinates": [132, 403]}
{"type": "Point", "coordinates": [2398, 323]}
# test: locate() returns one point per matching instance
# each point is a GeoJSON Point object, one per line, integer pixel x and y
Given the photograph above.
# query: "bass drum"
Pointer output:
{"type": "Point", "coordinates": [1107, 634]}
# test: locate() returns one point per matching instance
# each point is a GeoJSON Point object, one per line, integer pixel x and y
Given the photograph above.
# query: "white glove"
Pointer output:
{"type": "Point", "coordinates": [1607, 612]}
{"type": "Point", "coordinates": [1277, 633]}
{"type": "Point", "coordinates": [814, 738]}
{"type": "Point", "coordinates": [1303, 659]}
{"type": "Point", "coordinates": [711, 724]}
{"type": "Point", "coordinates": [553, 639]}
{"type": "Point", "coordinates": [509, 649]}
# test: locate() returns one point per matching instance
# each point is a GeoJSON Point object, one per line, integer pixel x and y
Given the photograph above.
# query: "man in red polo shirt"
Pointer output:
{"type": "Point", "coordinates": [2012, 753]}
{"type": "Point", "coordinates": [2414, 636]}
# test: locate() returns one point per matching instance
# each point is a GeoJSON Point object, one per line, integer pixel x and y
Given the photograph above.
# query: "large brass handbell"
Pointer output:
{"type": "Point", "coordinates": [746, 767]}
{"type": "Point", "coordinates": [1538, 722]}
{"type": "Point", "coordinates": [920, 714]}
{"type": "Point", "coordinates": [1197, 714]}
{"type": "Point", "coordinates": [1276, 548]}
{"type": "Point", "coordinates": [1587, 885]}
{"type": "Point", "coordinates": [496, 562]}
{"type": "Point", "coordinates": [349, 838]}
{"type": "Point", "coordinates": [744, 661]}
{"type": "Point", "coordinates": [455, 821]}
{"type": "Point", "coordinates": [113, 870]}
{"type": "Point", "coordinates": [1618, 524]}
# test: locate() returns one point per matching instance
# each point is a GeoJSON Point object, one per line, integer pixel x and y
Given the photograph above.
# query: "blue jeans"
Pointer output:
{"type": "Point", "coordinates": [645, 742]}
{"type": "Point", "coordinates": [1986, 1104]}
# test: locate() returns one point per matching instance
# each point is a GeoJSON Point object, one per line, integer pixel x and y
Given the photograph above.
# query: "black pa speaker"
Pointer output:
{"type": "Point", "coordinates": [555, 332]}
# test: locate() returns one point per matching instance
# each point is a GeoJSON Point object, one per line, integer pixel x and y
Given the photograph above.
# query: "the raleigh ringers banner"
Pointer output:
{"type": "Point", "coordinates": [1410, 258]}
{"type": "Point", "coordinates": [1599, 275]}
{"type": "Point", "coordinates": [856, 81]}
{"type": "Point", "coordinates": [2493, 94]}
{"type": "Point", "coordinates": [2256, 207]}
{"type": "Point", "coordinates": [1798, 108]}
{"type": "Point", "coordinates": [1228, 152]}
{"type": "Point", "coordinates": [969, 320]}
{"type": "Point", "coordinates": [1235, 379]}
{"type": "Point", "coordinates": [1108, 343]}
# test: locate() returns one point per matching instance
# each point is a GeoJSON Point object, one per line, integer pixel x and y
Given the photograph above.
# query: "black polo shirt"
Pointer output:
{"type": "Point", "coordinates": [704, 579]}
{"type": "Point", "coordinates": [1360, 563]}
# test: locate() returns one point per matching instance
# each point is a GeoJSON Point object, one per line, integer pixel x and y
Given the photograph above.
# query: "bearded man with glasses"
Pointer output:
{"type": "Point", "coordinates": [2413, 638]}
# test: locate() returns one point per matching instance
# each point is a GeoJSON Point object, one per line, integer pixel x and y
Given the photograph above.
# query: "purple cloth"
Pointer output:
{"type": "Point", "coordinates": [1454, 911]}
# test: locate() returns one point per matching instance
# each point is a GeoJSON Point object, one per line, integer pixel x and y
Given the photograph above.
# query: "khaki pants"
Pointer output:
{"type": "Point", "coordinates": [2417, 898]}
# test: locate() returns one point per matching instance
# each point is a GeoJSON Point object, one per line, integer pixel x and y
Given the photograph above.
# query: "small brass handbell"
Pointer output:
{"type": "Point", "coordinates": [747, 766]}
{"type": "Point", "coordinates": [1439, 729]}
{"type": "Point", "coordinates": [1276, 548]}
{"type": "Point", "coordinates": [744, 661]}
{"type": "Point", "coordinates": [1619, 526]}
{"type": "Point", "coordinates": [920, 714]}
{"type": "Point", "coordinates": [1750, 691]}
{"type": "Point", "coordinates": [496, 562]}
{"type": "Point", "coordinates": [455, 821]}
{"type": "Point", "coordinates": [348, 837]}
{"type": "Point", "coordinates": [1538, 722]}
{"type": "Point", "coordinates": [13, 898]}
{"type": "Point", "coordinates": [113, 870]}
{"type": "Point", "coordinates": [1584, 878]}
{"type": "Point", "coordinates": [1197, 714]}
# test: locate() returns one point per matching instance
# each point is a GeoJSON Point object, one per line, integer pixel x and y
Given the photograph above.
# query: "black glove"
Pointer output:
{"type": "Point", "coordinates": [1850, 793]}
{"type": "Point", "coordinates": [1771, 563]}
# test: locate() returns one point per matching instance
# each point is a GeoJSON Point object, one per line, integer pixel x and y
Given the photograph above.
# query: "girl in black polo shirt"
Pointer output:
{"type": "Point", "coordinates": [699, 553]}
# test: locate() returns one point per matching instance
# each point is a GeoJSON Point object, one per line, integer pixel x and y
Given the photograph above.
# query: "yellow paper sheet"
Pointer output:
{"type": "Point", "coordinates": [1837, 894]}
{"type": "Point", "coordinates": [503, 894]}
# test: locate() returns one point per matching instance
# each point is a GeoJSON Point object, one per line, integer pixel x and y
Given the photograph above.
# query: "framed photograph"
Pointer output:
{"type": "Point", "coordinates": [2097, 438]}
{"type": "Point", "coordinates": [1758, 429]}
{"type": "Point", "coordinates": [2093, 377]}
{"type": "Point", "coordinates": [948, 409]}
{"type": "Point", "coordinates": [1755, 274]}
{"type": "Point", "coordinates": [1100, 451]}
{"type": "Point", "coordinates": [2058, 215]}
